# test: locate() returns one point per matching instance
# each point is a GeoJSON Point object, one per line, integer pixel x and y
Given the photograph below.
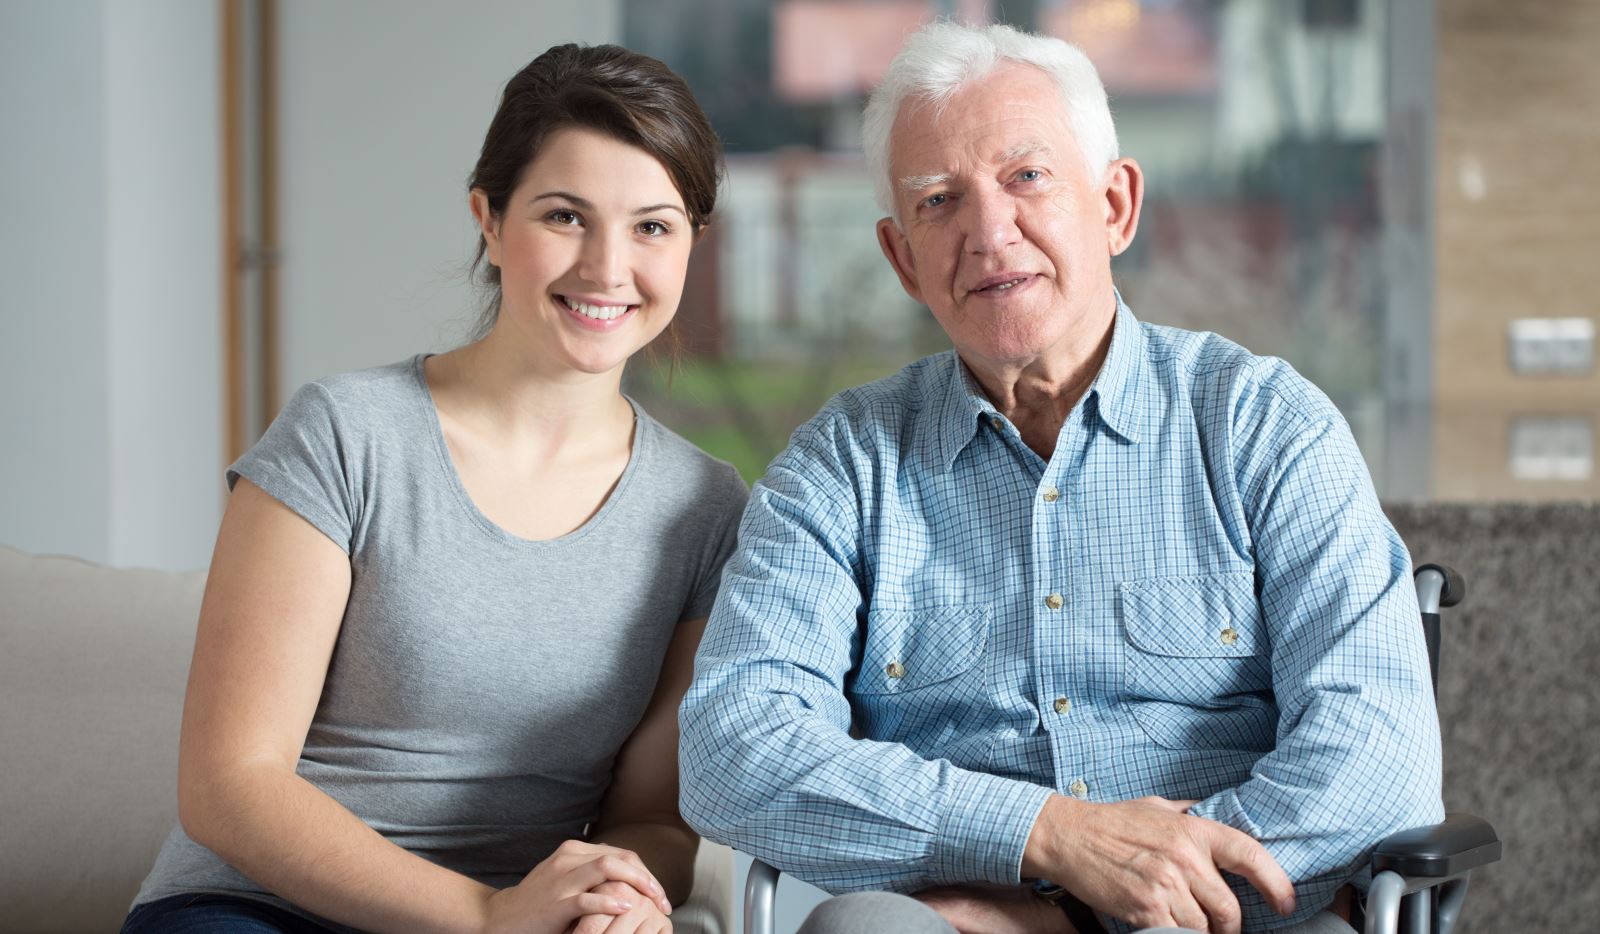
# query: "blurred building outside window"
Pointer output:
{"type": "Point", "coordinates": [1259, 124]}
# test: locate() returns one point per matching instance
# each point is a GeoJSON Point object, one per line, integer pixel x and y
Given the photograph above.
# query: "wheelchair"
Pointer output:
{"type": "Point", "coordinates": [1419, 876]}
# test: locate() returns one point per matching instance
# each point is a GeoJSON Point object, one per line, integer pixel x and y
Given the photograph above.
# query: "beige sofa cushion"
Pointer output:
{"type": "Point", "coordinates": [93, 663]}
{"type": "Point", "coordinates": [92, 669]}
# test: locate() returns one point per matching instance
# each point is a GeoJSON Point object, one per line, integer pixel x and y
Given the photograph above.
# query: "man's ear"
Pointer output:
{"type": "Point", "coordinates": [897, 250]}
{"type": "Point", "coordinates": [488, 223]}
{"type": "Point", "coordinates": [1124, 196]}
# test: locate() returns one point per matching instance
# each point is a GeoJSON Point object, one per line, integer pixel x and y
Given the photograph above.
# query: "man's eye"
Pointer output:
{"type": "Point", "coordinates": [1029, 175]}
{"type": "Point", "coordinates": [933, 201]}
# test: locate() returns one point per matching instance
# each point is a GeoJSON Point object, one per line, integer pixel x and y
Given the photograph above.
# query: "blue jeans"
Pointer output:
{"type": "Point", "coordinates": [215, 914]}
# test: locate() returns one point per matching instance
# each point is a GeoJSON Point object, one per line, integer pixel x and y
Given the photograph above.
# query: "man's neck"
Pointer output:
{"type": "Point", "coordinates": [1039, 396]}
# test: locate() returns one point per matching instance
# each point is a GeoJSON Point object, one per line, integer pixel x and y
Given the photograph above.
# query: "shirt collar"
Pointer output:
{"type": "Point", "coordinates": [1119, 391]}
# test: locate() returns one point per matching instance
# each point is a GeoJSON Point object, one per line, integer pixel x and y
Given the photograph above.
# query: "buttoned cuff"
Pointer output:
{"type": "Point", "coordinates": [985, 828]}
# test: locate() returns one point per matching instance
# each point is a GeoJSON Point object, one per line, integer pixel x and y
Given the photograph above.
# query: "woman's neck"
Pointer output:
{"type": "Point", "coordinates": [492, 389]}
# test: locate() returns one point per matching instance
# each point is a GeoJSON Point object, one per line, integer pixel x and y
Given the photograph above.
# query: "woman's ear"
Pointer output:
{"type": "Point", "coordinates": [488, 223]}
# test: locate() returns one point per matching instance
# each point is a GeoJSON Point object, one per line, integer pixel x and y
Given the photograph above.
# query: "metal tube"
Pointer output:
{"type": "Point", "coordinates": [1383, 903]}
{"type": "Point", "coordinates": [1430, 589]}
{"type": "Point", "coordinates": [760, 894]}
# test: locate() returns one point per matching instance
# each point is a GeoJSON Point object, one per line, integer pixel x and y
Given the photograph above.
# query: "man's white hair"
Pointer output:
{"type": "Point", "coordinates": [943, 57]}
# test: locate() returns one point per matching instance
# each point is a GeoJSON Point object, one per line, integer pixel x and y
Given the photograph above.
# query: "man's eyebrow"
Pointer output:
{"type": "Point", "coordinates": [1028, 148]}
{"type": "Point", "coordinates": [587, 205]}
{"type": "Point", "coordinates": [918, 182]}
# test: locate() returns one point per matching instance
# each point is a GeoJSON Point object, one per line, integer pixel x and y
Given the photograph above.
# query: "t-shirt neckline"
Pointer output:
{"type": "Point", "coordinates": [639, 450]}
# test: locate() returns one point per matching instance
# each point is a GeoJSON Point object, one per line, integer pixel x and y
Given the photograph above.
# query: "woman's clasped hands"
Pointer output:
{"type": "Point", "coordinates": [582, 888]}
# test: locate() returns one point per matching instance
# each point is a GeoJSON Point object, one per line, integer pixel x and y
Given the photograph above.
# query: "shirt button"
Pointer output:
{"type": "Point", "coordinates": [895, 670]}
{"type": "Point", "coordinates": [1063, 705]}
{"type": "Point", "coordinates": [995, 421]}
{"type": "Point", "coordinates": [1053, 601]}
{"type": "Point", "coordinates": [1229, 636]}
{"type": "Point", "coordinates": [1079, 789]}
{"type": "Point", "coordinates": [1051, 494]}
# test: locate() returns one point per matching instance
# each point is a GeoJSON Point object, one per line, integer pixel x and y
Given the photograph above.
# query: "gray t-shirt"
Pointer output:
{"type": "Point", "coordinates": [482, 683]}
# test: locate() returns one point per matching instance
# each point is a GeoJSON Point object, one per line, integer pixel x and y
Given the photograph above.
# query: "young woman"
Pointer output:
{"type": "Point", "coordinates": [454, 601]}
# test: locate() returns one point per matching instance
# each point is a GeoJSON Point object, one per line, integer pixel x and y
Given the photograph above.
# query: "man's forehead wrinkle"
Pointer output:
{"type": "Point", "coordinates": [969, 146]}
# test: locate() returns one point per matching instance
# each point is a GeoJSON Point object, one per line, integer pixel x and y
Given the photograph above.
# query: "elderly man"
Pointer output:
{"type": "Point", "coordinates": [1087, 601]}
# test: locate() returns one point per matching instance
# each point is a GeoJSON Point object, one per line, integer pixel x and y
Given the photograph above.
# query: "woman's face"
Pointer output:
{"type": "Point", "coordinates": [592, 251]}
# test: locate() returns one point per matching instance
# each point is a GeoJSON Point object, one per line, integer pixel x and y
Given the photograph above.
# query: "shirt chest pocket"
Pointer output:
{"type": "Point", "coordinates": [919, 675]}
{"type": "Point", "coordinates": [1198, 661]}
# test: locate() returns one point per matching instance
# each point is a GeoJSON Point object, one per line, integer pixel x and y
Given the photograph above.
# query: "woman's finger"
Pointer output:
{"type": "Point", "coordinates": [609, 868]}
{"type": "Point", "coordinates": [593, 903]}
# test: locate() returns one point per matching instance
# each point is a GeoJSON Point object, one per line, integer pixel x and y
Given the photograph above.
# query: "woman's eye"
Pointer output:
{"type": "Point", "coordinates": [563, 217]}
{"type": "Point", "coordinates": [653, 228]}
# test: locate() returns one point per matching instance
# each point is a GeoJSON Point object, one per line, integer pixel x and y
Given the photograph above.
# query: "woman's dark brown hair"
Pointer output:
{"type": "Point", "coordinates": [628, 96]}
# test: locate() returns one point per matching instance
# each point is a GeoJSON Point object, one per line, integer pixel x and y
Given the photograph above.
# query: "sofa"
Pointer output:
{"type": "Point", "coordinates": [93, 662]}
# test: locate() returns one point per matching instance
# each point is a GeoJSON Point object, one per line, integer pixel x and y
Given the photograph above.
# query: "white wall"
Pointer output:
{"type": "Point", "coordinates": [164, 280]}
{"type": "Point", "coordinates": [109, 280]}
{"type": "Point", "coordinates": [110, 258]}
{"type": "Point", "coordinates": [383, 110]}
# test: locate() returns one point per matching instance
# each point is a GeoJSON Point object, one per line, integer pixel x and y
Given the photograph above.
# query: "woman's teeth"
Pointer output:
{"type": "Point", "coordinates": [597, 312]}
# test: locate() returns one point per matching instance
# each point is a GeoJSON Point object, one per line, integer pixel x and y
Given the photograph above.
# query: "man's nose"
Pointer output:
{"type": "Point", "coordinates": [604, 259]}
{"type": "Point", "coordinates": [990, 221]}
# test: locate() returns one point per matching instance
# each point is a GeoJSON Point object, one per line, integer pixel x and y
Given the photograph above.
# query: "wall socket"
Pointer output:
{"type": "Point", "coordinates": [1552, 346]}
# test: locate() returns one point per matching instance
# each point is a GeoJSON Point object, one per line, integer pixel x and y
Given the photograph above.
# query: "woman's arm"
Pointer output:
{"type": "Point", "coordinates": [640, 809]}
{"type": "Point", "coordinates": [271, 614]}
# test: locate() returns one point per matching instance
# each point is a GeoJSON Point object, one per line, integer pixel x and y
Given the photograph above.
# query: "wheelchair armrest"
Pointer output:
{"type": "Point", "coordinates": [1462, 843]}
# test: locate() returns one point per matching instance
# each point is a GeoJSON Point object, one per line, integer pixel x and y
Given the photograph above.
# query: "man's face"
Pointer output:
{"type": "Point", "coordinates": [1005, 236]}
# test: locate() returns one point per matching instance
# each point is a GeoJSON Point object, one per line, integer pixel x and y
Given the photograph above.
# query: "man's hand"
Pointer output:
{"type": "Point", "coordinates": [1150, 863]}
{"type": "Point", "coordinates": [995, 909]}
{"type": "Point", "coordinates": [646, 916]}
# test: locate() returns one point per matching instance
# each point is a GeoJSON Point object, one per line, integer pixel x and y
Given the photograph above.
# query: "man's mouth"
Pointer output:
{"type": "Point", "coordinates": [1003, 283]}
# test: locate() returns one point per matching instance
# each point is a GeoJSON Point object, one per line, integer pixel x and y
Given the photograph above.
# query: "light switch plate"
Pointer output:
{"type": "Point", "coordinates": [1552, 346]}
{"type": "Point", "coordinates": [1551, 447]}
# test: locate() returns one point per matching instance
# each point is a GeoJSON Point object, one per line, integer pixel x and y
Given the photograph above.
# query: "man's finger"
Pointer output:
{"type": "Point", "coordinates": [1217, 901]}
{"type": "Point", "coordinates": [1240, 854]}
{"type": "Point", "coordinates": [1187, 913]}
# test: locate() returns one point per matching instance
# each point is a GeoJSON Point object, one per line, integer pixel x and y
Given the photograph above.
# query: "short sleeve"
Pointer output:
{"type": "Point", "coordinates": [301, 462]}
{"type": "Point", "coordinates": [729, 495]}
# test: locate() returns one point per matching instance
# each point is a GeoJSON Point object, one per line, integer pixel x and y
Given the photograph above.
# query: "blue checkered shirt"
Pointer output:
{"type": "Point", "coordinates": [927, 628]}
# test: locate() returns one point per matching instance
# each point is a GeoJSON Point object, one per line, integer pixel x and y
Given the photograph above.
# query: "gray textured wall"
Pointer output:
{"type": "Point", "coordinates": [1519, 695]}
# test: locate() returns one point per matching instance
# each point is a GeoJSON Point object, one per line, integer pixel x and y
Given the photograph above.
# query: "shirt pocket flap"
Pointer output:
{"type": "Point", "coordinates": [910, 649]}
{"type": "Point", "coordinates": [1194, 617]}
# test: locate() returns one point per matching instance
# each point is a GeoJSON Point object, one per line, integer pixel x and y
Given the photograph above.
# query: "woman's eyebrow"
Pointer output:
{"type": "Point", "coordinates": [587, 205]}
{"type": "Point", "coordinates": [651, 209]}
{"type": "Point", "coordinates": [565, 196]}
